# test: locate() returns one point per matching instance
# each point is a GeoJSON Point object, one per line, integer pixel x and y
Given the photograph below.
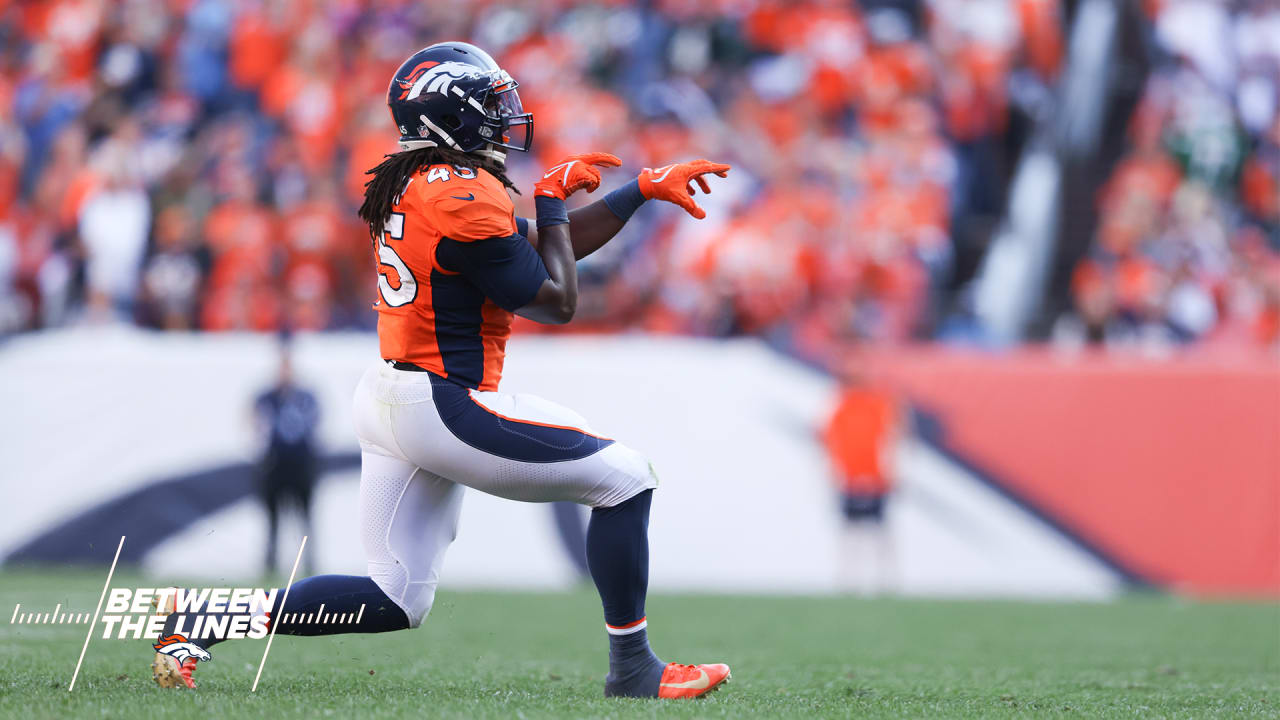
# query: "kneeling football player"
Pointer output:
{"type": "Point", "coordinates": [454, 267]}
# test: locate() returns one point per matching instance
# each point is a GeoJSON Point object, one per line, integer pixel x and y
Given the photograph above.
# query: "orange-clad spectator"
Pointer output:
{"type": "Point", "coordinates": [68, 179]}
{"type": "Point", "coordinates": [72, 27]}
{"type": "Point", "coordinates": [1041, 22]}
{"type": "Point", "coordinates": [860, 438]}
{"type": "Point", "coordinates": [884, 77]}
{"type": "Point", "coordinates": [1260, 187]}
{"type": "Point", "coordinates": [311, 231]}
{"type": "Point", "coordinates": [1094, 294]}
{"type": "Point", "coordinates": [243, 287]}
{"type": "Point", "coordinates": [238, 223]}
{"type": "Point", "coordinates": [303, 94]}
{"type": "Point", "coordinates": [975, 104]}
{"type": "Point", "coordinates": [1152, 175]}
{"type": "Point", "coordinates": [370, 145]}
{"type": "Point", "coordinates": [258, 44]}
{"type": "Point", "coordinates": [1266, 328]}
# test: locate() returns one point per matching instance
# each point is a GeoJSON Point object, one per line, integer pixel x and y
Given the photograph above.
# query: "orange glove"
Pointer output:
{"type": "Point", "coordinates": [575, 173]}
{"type": "Point", "coordinates": [672, 183]}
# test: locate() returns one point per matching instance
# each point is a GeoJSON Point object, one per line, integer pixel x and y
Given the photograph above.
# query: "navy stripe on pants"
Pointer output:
{"type": "Point", "coordinates": [513, 439]}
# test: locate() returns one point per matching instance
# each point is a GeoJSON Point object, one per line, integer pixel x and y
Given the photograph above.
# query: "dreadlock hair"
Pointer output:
{"type": "Point", "coordinates": [390, 176]}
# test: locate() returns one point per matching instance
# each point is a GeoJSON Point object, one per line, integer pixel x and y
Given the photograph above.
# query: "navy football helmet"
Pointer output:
{"type": "Point", "coordinates": [453, 95]}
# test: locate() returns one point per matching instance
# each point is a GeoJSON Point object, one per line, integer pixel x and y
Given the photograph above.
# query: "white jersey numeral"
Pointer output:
{"type": "Point", "coordinates": [408, 288]}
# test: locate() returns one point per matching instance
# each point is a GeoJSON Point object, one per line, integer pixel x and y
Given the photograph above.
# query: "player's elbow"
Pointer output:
{"type": "Point", "coordinates": [552, 309]}
{"type": "Point", "coordinates": [562, 313]}
{"type": "Point", "coordinates": [555, 303]}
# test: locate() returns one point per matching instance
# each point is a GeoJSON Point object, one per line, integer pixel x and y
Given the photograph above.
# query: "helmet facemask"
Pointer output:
{"type": "Point", "coordinates": [507, 124]}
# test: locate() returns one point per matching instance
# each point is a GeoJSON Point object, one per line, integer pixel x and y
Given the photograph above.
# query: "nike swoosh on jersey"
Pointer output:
{"type": "Point", "coordinates": [470, 196]}
{"type": "Point", "coordinates": [700, 684]}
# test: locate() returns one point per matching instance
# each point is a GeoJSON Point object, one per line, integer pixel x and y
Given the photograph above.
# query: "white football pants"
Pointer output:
{"type": "Point", "coordinates": [422, 439]}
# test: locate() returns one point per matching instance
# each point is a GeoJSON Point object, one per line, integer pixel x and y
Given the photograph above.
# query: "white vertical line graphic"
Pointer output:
{"type": "Point", "coordinates": [14, 619]}
{"type": "Point", "coordinates": [89, 635]}
{"type": "Point", "coordinates": [283, 600]}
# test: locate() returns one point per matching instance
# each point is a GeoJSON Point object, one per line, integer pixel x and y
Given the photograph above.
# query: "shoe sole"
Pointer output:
{"type": "Point", "coordinates": [164, 670]}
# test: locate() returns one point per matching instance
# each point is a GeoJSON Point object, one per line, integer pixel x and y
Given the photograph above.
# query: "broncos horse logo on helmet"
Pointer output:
{"type": "Point", "coordinates": [179, 648]}
{"type": "Point", "coordinates": [453, 95]}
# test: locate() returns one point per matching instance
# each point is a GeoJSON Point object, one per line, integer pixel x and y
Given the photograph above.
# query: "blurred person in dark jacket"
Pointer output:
{"type": "Point", "coordinates": [287, 416]}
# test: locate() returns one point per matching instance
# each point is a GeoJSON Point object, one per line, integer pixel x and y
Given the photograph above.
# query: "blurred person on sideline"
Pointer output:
{"type": "Point", "coordinates": [860, 438]}
{"type": "Point", "coordinates": [287, 416]}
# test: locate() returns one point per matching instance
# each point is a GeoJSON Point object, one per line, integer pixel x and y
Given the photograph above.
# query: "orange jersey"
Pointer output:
{"type": "Point", "coordinates": [452, 269]}
{"type": "Point", "coordinates": [857, 437]}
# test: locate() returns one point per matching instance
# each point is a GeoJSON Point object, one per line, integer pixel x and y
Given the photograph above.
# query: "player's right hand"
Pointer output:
{"type": "Point", "coordinates": [674, 183]}
{"type": "Point", "coordinates": [574, 174]}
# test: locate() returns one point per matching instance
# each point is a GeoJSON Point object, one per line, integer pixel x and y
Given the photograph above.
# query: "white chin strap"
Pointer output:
{"type": "Point", "coordinates": [494, 153]}
{"type": "Point", "coordinates": [491, 152]}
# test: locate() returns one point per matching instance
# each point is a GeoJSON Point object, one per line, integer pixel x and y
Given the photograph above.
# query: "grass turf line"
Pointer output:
{"type": "Point", "coordinates": [504, 655]}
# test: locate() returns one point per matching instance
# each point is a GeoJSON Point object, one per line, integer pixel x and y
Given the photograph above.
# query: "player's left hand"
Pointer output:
{"type": "Point", "coordinates": [573, 174]}
{"type": "Point", "coordinates": [674, 183]}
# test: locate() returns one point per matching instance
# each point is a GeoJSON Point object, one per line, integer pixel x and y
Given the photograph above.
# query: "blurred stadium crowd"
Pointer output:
{"type": "Point", "coordinates": [195, 164]}
{"type": "Point", "coordinates": [1189, 220]}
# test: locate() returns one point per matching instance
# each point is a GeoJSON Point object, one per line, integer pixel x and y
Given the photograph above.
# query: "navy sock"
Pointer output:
{"type": "Point", "coordinates": [322, 605]}
{"type": "Point", "coordinates": [618, 557]}
{"type": "Point", "coordinates": [634, 671]}
{"type": "Point", "coordinates": [332, 604]}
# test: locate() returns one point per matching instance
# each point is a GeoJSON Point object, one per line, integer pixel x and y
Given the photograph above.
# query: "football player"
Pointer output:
{"type": "Point", "coordinates": [455, 265]}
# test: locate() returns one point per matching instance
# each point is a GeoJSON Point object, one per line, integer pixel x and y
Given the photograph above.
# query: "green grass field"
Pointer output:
{"type": "Point", "coordinates": [507, 655]}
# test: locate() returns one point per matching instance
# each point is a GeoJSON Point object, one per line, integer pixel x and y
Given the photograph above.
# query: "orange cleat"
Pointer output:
{"type": "Point", "coordinates": [691, 681]}
{"type": "Point", "coordinates": [173, 667]}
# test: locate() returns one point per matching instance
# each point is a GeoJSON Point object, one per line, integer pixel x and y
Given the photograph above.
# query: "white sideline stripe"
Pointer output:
{"type": "Point", "coordinates": [627, 631]}
{"type": "Point", "coordinates": [283, 600]}
{"type": "Point", "coordinates": [89, 635]}
{"type": "Point", "coordinates": [15, 613]}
